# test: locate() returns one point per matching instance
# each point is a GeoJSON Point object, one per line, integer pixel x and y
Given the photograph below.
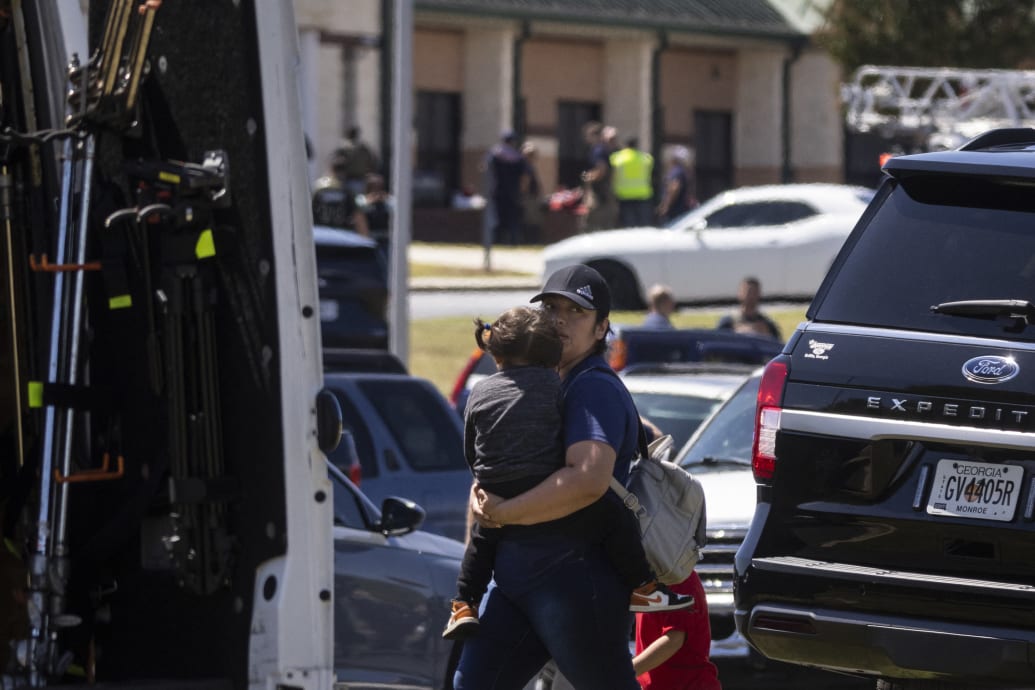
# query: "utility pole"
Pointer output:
{"type": "Point", "coordinates": [402, 179]}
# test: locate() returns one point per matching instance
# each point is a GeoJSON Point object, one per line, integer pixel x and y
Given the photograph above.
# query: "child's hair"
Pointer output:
{"type": "Point", "coordinates": [521, 334]}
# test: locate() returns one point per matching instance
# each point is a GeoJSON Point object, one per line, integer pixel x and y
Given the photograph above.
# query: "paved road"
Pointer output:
{"type": "Point", "coordinates": [741, 676]}
{"type": "Point", "coordinates": [433, 304]}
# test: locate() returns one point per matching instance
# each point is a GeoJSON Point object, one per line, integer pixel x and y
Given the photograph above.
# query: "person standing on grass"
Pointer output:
{"type": "Point", "coordinates": [748, 318]}
{"type": "Point", "coordinates": [677, 195]}
{"type": "Point", "coordinates": [631, 173]}
{"type": "Point", "coordinates": [508, 172]}
{"type": "Point", "coordinates": [601, 205]}
{"type": "Point", "coordinates": [661, 304]}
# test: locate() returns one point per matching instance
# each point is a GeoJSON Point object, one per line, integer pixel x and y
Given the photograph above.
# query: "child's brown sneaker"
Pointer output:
{"type": "Point", "coordinates": [462, 623]}
{"type": "Point", "coordinates": [654, 596]}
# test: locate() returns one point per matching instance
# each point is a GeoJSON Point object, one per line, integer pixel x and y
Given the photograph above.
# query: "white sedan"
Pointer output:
{"type": "Point", "coordinates": [785, 235]}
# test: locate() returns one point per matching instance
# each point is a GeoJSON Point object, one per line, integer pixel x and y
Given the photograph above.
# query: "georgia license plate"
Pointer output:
{"type": "Point", "coordinates": [975, 489]}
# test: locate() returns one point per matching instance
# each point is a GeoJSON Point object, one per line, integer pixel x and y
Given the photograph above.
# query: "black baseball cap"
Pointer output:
{"type": "Point", "coordinates": [582, 285]}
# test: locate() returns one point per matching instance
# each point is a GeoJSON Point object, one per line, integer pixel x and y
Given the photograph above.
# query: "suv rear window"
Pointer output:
{"type": "Point", "coordinates": [938, 239]}
{"type": "Point", "coordinates": [333, 261]}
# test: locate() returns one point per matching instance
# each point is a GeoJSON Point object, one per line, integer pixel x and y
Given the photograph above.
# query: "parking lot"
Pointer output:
{"type": "Point", "coordinates": [739, 676]}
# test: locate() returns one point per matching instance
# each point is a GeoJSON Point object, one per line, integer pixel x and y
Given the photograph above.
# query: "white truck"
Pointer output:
{"type": "Point", "coordinates": [165, 505]}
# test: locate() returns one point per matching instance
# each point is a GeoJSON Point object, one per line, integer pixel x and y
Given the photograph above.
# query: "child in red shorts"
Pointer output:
{"type": "Point", "coordinates": [672, 646]}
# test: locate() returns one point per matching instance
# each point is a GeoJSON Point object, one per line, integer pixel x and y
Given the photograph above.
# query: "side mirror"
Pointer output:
{"type": "Point", "coordinates": [328, 421]}
{"type": "Point", "coordinates": [399, 516]}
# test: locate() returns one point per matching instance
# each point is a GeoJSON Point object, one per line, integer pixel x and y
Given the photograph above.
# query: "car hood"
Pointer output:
{"type": "Point", "coordinates": [608, 241]}
{"type": "Point", "coordinates": [729, 497]}
{"type": "Point", "coordinates": [426, 542]}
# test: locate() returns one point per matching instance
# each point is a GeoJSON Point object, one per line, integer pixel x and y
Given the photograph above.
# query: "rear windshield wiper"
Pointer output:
{"type": "Point", "coordinates": [1018, 309]}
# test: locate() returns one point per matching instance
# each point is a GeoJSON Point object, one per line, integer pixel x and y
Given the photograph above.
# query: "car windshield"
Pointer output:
{"type": "Point", "coordinates": [351, 509]}
{"type": "Point", "coordinates": [424, 426]}
{"type": "Point", "coordinates": [726, 437]}
{"type": "Point", "coordinates": [678, 415]}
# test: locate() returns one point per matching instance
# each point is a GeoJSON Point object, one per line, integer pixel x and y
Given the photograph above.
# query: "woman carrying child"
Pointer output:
{"type": "Point", "coordinates": [568, 563]}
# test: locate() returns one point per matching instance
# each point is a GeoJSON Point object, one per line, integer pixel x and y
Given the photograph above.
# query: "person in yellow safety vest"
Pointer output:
{"type": "Point", "coordinates": [631, 172]}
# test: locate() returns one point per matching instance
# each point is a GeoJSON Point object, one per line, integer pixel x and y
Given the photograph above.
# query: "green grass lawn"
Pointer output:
{"type": "Point", "coordinates": [439, 348]}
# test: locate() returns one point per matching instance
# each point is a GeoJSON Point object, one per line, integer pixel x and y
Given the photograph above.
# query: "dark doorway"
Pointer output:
{"type": "Point", "coordinates": [572, 154]}
{"type": "Point", "coordinates": [713, 143]}
{"type": "Point", "coordinates": [437, 168]}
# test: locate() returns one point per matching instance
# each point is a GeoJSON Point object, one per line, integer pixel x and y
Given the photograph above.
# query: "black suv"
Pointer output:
{"type": "Point", "coordinates": [894, 451]}
{"type": "Point", "coordinates": [353, 283]}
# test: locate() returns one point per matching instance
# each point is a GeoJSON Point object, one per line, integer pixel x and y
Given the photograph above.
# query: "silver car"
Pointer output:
{"type": "Point", "coordinates": [392, 588]}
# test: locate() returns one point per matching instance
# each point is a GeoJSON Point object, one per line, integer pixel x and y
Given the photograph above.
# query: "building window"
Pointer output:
{"type": "Point", "coordinates": [572, 152]}
{"type": "Point", "coordinates": [713, 144]}
{"type": "Point", "coordinates": [437, 168]}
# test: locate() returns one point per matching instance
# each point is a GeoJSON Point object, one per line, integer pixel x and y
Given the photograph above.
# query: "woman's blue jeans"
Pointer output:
{"type": "Point", "coordinates": [553, 596]}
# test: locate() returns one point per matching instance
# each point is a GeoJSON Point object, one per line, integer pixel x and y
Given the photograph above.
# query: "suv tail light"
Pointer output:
{"type": "Point", "coordinates": [767, 418]}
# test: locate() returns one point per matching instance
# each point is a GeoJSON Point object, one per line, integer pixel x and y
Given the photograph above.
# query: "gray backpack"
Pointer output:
{"type": "Point", "coordinates": [669, 505]}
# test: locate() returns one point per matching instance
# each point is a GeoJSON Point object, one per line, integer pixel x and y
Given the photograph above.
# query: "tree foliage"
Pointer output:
{"type": "Point", "coordinates": [930, 33]}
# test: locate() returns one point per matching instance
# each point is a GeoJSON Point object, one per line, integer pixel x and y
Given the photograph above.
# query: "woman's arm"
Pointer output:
{"type": "Point", "coordinates": [585, 477]}
{"type": "Point", "coordinates": [659, 651]}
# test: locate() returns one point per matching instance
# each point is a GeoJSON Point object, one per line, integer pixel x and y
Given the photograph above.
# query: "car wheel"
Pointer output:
{"type": "Point", "coordinates": [625, 290]}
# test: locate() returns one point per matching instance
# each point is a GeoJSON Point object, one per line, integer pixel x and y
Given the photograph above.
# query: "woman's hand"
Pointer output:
{"type": "Point", "coordinates": [482, 506]}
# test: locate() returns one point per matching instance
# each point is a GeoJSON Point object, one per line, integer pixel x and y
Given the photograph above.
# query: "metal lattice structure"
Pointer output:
{"type": "Point", "coordinates": [943, 105]}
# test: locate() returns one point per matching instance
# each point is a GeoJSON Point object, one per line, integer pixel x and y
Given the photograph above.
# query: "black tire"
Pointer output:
{"type": "Point", "coordinates": [625, 289]}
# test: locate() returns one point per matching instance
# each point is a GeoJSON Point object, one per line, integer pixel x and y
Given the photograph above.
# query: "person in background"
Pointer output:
{"type": "Point", "coordinates": [359, 161]}
{"type": "Point", "coordinates": [631, 174]}
{"type": "Point", "coordinates": [677, 196]}
{"type": "Point", "coordinates": [533, 203]}
{"type": "Point", "coordinates": [334, 204]}
{"type": "Point", "coordinates": [376, 205]}
{"type": "Point", "coordinates": [507, 171]}
{"type": "Point", "coordinates": [602, 207]}
{"type": "Point", "coordinates": [661, 303]}
{"type": "Point", "coordinates": [748, 318]}
{"type": "Point", "coordinates": [672, 647]}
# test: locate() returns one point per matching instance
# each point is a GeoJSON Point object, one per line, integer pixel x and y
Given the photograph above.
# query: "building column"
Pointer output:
{"type": "Point", "coordinates": [757, 128]}
{"type": "Point", "coordinates": [488, 97]}
{"type": "Point", "coordinates": [627, 89]}
{"type": "Point", "coordinates": [817, 125]}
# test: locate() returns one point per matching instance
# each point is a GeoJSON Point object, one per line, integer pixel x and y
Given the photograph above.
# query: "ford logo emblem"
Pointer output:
{"type": "Point", "coordinates": [990, 369]}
